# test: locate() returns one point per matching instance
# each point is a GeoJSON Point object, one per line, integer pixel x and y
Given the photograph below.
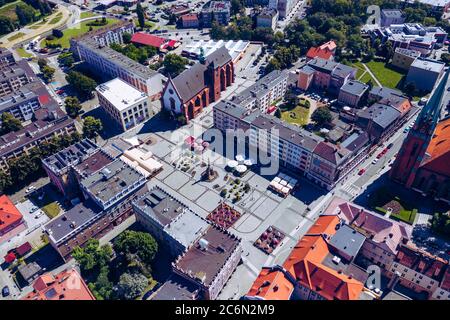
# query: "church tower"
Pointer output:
{"type": "Point", "coordinates": [414, 147]}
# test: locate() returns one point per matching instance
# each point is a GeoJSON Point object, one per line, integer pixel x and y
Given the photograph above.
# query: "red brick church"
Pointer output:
{"type": "Point", "coordinates": [423, 162]}
{"type": "Point", "coordinates": [195, 88]}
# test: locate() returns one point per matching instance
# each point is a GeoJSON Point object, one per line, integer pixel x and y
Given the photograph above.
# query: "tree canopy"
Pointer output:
{"type": "Point", "coordinates": [174, 64]}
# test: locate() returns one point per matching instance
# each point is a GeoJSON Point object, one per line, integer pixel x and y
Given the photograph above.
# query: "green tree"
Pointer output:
{"type": "Point", "coordinates": [131, 286]}
{"type": "Point", "coordinates": [236, 7]}
{"type": "Point", "coordinates": [134, 245]}
{"type": "Point", "coordinates": [91, 127]}
{"type": "Point", "coordinates": [6, 25]}
{"type": "Point", "coordinates": [321, 116]}
{"type": "Point", "coordinates": [445, 57]}
{"type": "Point", "coordinates": [83, 84]}
{"type": "Point", "coordinates": [140, 14]}
{"type": "Point", "coordinates": [92, 256]}
{"type": "Point", "coordinates": [73, 106]}
{"type": "Point", "coordinates": [9, 123]}
{"type": "Point", "coordinates": [174, 64]}
{"type": "Point", "coordinates": [102, 288]}
{"type": "Point", "coordinates": [48, 73]}
{"type": "Point", "coordinates": [126, 38]}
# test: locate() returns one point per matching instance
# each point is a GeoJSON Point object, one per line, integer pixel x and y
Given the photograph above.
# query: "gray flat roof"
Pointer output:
{"type": "Point", "coordinates": [112, 180]}
{"type": "Point", "coordinates": [262, 86]}
{"type": "Point", "coordinates": [72, 155]}
{"type": "Point", "coordinates": [204, 265]}
{"type": "Point", "coordinates": [176, 288]}
{"type": "Point", "coordinates": [428, 64]}
{"type": "Point", "coordinates": [72, 219]}
{"type": "Point", "coordinates": [355, 87]}
{"type": "Point", "coordinates": [17, 98]}
{"type": "Point", "coordinates": [347, 240]}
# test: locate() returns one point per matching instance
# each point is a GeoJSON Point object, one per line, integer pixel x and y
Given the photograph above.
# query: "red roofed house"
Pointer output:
{"type": "Point", "coordinates": [189, 21]}
{"type": "Point", "coordinates": [305, 275]}
{"type": "Point", "coordinates": [67, 285]}
{"type": "Point", "coordinates": [10, 217]}
{"type": "Point", "coordinates": [325, 51]}
{"type": "Point", "coordinates": [384, 235]}
{"type": "Point", "coordinates": [159, 43]}
{"type": "Point", "coordinates": [421, 272]}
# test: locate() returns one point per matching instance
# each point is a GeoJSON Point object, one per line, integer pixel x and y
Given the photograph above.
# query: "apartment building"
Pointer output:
{"type": "Point", "coordinates": [93, 49]}
{"type": "Point", "coordinates": [353, 93]}
{"type": "Point", "coordinates": [110, 34]}
{"type": "Point", "coordinates": [127, 106]}
{"type": "Point", "coordinates": [291, 145]}
{"type": "Point", "coordinates": [210, 261]}
{"type": "Point", "coordinates": [6, 58]}
{"type": "Point", "coordinates": [169, 220]}
{"type": "Point", "coordinates": [59, 166]}
{"type": "Point", "coordinates": [384, 236]}
{"type": "Point", "coordinates": [420, 271]}
{"type": "Point", "coordinates": [324, 74]}
{"type": "Point", "coordinates": [403, 58]}
{"type": "Point", "coordinates": [48, 124]}
{"type": "Point", "coordinates": [391, 16]}
{"type": "Point", "coordinates": [264, 92]}
{"type": "Point", "coordinates": [284, 7]}
{"type": "Point", "coordinates": [424, 73]}
{"type": "Point", "coordinates": [21, 103]}
{"type": "Point", "coordinates": [228, 115]}
{"type": "Point", "coordinates": [266, 18]}
{"type": "Point", "coordinates": [319, 267]}
{"type": "Point", "coordinates": [11, 79]}
{"type": "Point", "coordinates": [108, 188]}
{"type": "Point", "coordinates": [218, 11]}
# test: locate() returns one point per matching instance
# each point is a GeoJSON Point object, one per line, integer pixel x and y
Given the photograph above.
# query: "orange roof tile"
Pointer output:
{"type": "Point", "coordinates": [325, 51]}
{"type": "Point", "coordinates": [67, 285]}
{"type": "Point", "coordinates": [305, 264]}
{"type": "Point", "coordinates": [439, 149]}
{"type": "Point", "coordinates": [9, 214]}
{"type": "Point", "coordinates": [271, 285]}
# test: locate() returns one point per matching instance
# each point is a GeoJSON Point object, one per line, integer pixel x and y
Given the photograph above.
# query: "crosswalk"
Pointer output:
{"type": "Point", "coordinates": [351, 189]}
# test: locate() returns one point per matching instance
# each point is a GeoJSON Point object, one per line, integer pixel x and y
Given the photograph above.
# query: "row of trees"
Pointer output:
{"type": "Point", "coordinates": [83, 84]}
{"type": "Point", "coordinates": [125, 277]}
{"type": "Point", "coordinates": [46, 71]}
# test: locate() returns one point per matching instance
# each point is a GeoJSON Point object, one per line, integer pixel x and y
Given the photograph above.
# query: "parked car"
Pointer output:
{"type": "Point", "coordinates": [390, 145]}
{"type": "Point", "coordinates": [5, 291]}
{"type": "Point", "coordinates": [361, 172]}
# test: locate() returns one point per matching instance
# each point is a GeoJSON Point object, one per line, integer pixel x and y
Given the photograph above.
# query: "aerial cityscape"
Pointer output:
{"type": "Point", "coordinates": [251, 150]}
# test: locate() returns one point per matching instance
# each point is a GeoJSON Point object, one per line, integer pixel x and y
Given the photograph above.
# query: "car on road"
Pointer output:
{"type": "Point", "coordinates": [361, 172]}
{"type": "Point", "coordinates": [380, 155]}
{"type": "Point", "coordinates": [374, 161]}
{"type": "Point", "coordinates": [5, 291]}
{"type": "Point", "coordinates": [406, 130]}
{"type": "Point", "coordinates": [390, 145]}
{"type": "Point", "coordinates": [60, 91]}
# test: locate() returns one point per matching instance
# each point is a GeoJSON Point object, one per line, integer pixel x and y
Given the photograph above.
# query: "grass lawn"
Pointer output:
{"type": "Point", "coordinates": [16, 36]}
{"type": "Point", "coordinates": [56, 19]}
{"type": "Point", "coordinates": [23, 53]}
{"type": "Point", "coordinates": [51, 210]}
{"type": "Point", "coordinates": [76, 31]}
{"type": "Point", "coordinates": [88, 14]}
{"type": "Point", "coordinates": [299, 115]}
{"type": "Point", "coordinates": [9, 10]}
{"type": "Point", "coordinates": [382, 200]}
{"type": "Point", "coordinates": [387, 76]}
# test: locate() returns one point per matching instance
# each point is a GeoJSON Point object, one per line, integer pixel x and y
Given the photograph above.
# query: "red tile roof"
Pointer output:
{"type": "Point", "coordinates": [189, 17]}
{"type": "Point", "coordinates": [305, 264]}
{"type": "Point", "coordinates": [9, 215]}
{"type": "Point", "coordinates": [325, 51]}
{"type": "Point", "coordinates": [148, 39]}
{"type": "Point", "coordinates": [10, 257]}
{"type": "Point", "coordinates": [67, 285]}
{"type": "Point", "coordinates": [271, 285]}
{"type": "Point", "coordinates": [439, 150]}
{"type": "Point", "coordinates": [24, 248]}
{"type": "Point", "coordinates": [422, 262]}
